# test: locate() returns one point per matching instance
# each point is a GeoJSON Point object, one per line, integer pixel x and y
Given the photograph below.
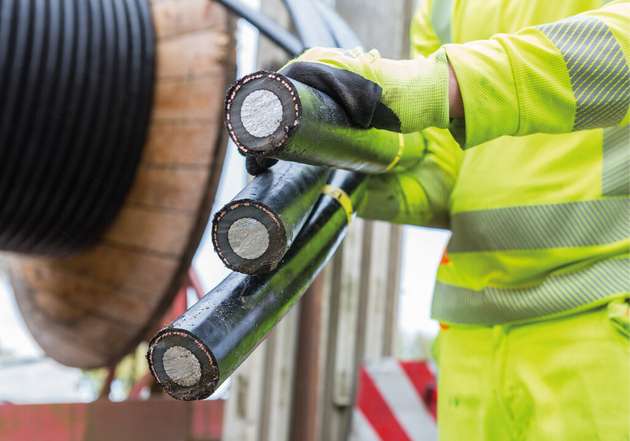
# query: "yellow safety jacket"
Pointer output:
{"type": "Point", "coordinates": [538, 200]}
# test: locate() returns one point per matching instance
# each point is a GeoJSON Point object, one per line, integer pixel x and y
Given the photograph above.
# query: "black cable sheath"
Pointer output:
{"type": "Point", "coordinates": [270, 29]}
{"type": "Point", "coordinates": [39, 151]}
{"type": "Point", "coordinates": [227, 324]}
{"type": "Point", "coordinates": [281, 199]}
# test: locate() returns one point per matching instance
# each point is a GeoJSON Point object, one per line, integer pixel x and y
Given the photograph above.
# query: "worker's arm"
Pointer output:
{"type": "Point", "coordinates": [555, 78]}
{"type": "Point", "coordinates": [419, 195]}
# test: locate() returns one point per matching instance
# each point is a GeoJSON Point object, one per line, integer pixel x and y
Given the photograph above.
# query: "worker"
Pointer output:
{"type": "Point", "coordinates": [524, 111]}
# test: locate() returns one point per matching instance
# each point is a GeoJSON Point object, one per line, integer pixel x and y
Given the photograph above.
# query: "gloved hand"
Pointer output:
{"type": "Point", "coordinates": [256, 165]}
{"type": "Point", "coordinates": [404, 96]}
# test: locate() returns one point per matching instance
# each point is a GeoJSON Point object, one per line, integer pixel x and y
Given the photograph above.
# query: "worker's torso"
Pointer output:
{"type": "Point", "coordinates": [538, 219]}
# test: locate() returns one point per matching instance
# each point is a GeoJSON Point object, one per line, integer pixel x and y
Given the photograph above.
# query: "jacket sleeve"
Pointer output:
{"type": "Point", "coordinates": [421, 194]}
{"type": "Point", "coordinates": [559, 77]}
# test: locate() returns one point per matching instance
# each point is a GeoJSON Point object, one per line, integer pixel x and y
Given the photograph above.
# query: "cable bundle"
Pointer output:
{"type": "Point", "coordinates": [76, 91]}
{"type": "Point", "coordinates": [198, 351]}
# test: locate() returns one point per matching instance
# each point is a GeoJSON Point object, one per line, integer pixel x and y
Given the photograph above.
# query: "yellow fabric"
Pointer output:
{"type": "Point", "coordinates": [523, 80]}
{"type": "Point", "coordinates": [539, 170]}
{"type": "Point", "coordinates": [564, 377]}
{"type": "Point", "coordinates": [557, 380]}
{"type": "Point", "coordinates": [521, 172]}
{"type": "Point", "coordinates": [422, 38]}
{"type": "Point", "coordinates": [535, 172]}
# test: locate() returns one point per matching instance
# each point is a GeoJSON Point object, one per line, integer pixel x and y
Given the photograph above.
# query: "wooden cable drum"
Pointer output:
{"type": "Point", "coordinates": [89, 296]}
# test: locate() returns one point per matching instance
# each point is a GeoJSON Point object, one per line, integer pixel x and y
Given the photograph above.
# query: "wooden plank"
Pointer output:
{"type": "Point", "coordinates": [157, 231]}
{"type": "Point", "coordinates": [173, 18]}
{"type": "Point", "coordinates": [311, 356]}
{"type": "Point", "coordinates": [348, 293]}
{"type": "Point", "coordinates": [277, 402]}
{"type": "Point", "coordinates": [325, 355]}
{"type": "Point", "coordinates": [192, 55]}
{"type": "Point", "coordinates": [372, 333]}
{"type": "Point", "coordinates": [88, 331]}
{"type": "Point", "coordinates": [187, 143]}
{"type": "Point", "coordinates": [66, 330]}
{"type": "Point", "coordinates": [196, 98]}
{"type": "Point", "coordinates": [86, 296]}
{"type": "Point", "coordinates": [340, 374]}
{"type": "Point", "coordinates": [393, 287]}
{"type": "Point", "coordinates": [168, 188]}
{"type": "Point", "coordinates": [121, 270]}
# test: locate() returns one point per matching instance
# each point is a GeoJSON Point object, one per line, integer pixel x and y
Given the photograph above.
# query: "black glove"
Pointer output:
{"type": "Point", "coordinates": [358, 96]}
{"type": "Point", "coordinates": [256, 165]}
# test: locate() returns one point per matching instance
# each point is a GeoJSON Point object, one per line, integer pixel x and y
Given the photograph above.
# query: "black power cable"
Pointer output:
{"type": "Point", "coordinates": [204, 346]}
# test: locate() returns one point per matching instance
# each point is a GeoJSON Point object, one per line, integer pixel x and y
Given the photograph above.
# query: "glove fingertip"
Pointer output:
{"type": "Point", "coordinates": [257, 166]}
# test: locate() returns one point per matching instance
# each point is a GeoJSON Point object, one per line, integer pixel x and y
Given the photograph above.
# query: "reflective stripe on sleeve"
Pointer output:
{"type": "Point", "coordinates": [599, 74]}
{"type": "Point", "coordinates": [616, 161]}
{"type": "Point", "coordinates": [572, 224]}
{"type": "Point", "coordinates": [556, 293]}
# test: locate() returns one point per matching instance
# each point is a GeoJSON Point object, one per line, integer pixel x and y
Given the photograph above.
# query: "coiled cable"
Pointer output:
{"type": "Point", "coordinates": [76, 92]}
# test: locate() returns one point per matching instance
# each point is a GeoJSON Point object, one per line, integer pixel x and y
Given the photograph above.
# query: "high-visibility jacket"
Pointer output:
{"type": "Point", "coordinates": [538, 199]}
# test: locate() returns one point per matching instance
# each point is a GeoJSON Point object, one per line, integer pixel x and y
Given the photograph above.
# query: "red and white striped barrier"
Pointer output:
{"type": "Point", "coordinates": [396, 401]}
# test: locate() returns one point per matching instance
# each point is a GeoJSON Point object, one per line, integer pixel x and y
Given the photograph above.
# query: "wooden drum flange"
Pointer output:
{"type": "Point", "coordinates": [90, 309]}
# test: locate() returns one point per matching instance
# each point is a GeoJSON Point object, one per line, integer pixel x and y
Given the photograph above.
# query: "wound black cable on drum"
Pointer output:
{"type": "Point", "coordinates": [73, 218]}
{"type": "Point", "coordinates": [102, 68]}
{"type": "Point", "coordinates": [141, 17]}
{"type": "Point", "coordinates": [27, 129]}
{"type": "Point", "coordinates": [69, 133]}
{"type": "Point", "coordinates": [76, 92]}
{"type": "Point", "coordinates": [47, 145]}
